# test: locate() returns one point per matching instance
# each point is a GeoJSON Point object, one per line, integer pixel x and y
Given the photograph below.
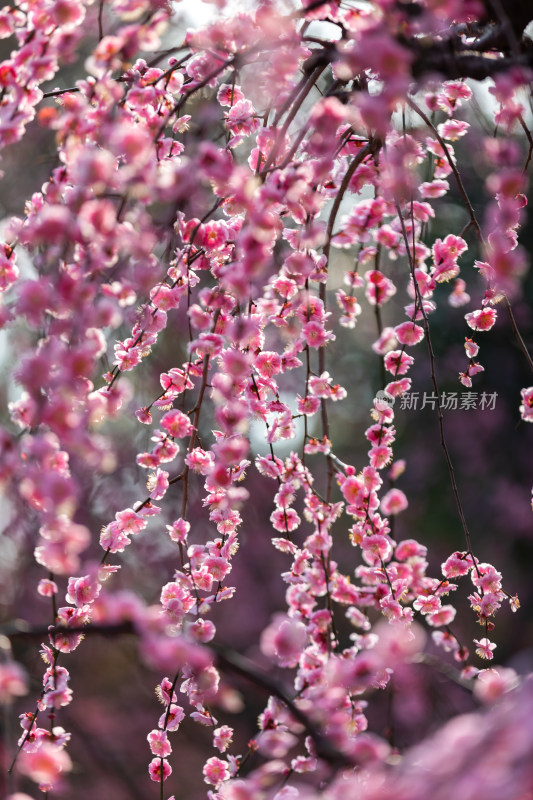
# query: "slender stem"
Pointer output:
{"type": "Point", "coordinates": [411, 103]}
{"type": "Point", "coordinates": [307, 86]}
{"type": "Point", "coordinates": [357, 161]}
{"type": "Point", "coordinates": [359, 158]}
{"type": "Point", "coordinates": [100, 20]}
{"type": "Point", "coordinates": [517, 333]}
{"type": "Point", "coordinates": [436, 388]}
{"type": "Point", "coordinates": [58, 92]}
{"type": "Point", "coordinates": [529, 139]}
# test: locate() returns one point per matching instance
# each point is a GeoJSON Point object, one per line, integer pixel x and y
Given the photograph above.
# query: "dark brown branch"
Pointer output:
{"type": "Point", "coordinates": [445, 669]}
{"type": "Point", "coordinates": [20, 630]}
{"type": "Point", "coordinates": [227, 660]}
{"type": "Point", "coordinates": [230, 661]}
{"type": "Point", "coordinates": [442, 58]}
{"type": "Point", "coordinates": [59, 92]}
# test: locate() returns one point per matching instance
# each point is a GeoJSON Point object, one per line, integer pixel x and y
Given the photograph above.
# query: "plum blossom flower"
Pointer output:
{"type": "Point", "coordinates": [270, 466]}
{"type": "Point", "coordinates": [472, 349]}
{"type": "Point", "coordinates": [159, 744]}
{"type": "Point", "coordinates": [445, 255]}
{"type": "Point", "coordinates": [458, 296]}
{"type": "Point", "coordinates": [526, 406]}
{"type": "Point", "coordinates": [216, 771]}
{"type": "Point", "coordinates": [397, 388]}
{"type": "Point", "coordinates": [179, 530]}
{"type": "Point", "coordinates": [222, 738]}
{"type": "Point", "coordinates": [427, 604]}
{"type": "Point", "coordinates": [409, 548]}
{"type": "Point", "coordinates": [514, 602]}
{"type": "Point", "coordinates": [172, 718]}
{"type": "Point", "coordinates": [308, 405]}
{"type": "Point", "coordinates": [241, 120]}
{"type": "Point", "coordinates": [408, 333]}
{"type": "Point", "coordinates": [157, 484]}
{"type": "Point", "coordinates": [485, 648]}
{"type": "Point", "coordinates": [491, 684]}
{"type": "Point", "coordinates": [228, 94]}
{"type": "Point", "coordinates": [316, 335]}
{"type": "Point", "coordinates": [453, 129]}
{"type": "Point", "coordinates": [380, 456]}
{"type": "Point", "coordinates": [9, 271]}
{"type": "Point", "coordinates": [376, 548]}
{"type": "Point", "coordinates": [275, 743]}
{"type": "Point", "coordinates": [398, 362]}
{"type": "Point", "coordinates": [481, 320]}
{"type": "Point", "coordinates": [320, 386]}
{"type": "Point", "coordinates": [45, 764]}
{"type": "Point", "coordinates": [393, 502]}
{"type": "Point", "coordinates": [442, 616]}
{"type": "Point", "coordinates": [159, 769]}
{"type": "Point", "coordinates": [176, 424]}
{"type": "Point", "coordinates": [386, 342]}
{"type": "Point", "coordinates": [379, 288]}
{"type": "Point", "coordinates": [82, 590]}
{"type": "Point", "coordinates": [144, 416]}
{"type": "Point", "coordinates": [445, 640]}
{"type": "Point", "coordinates": [268, 363]}
{"type": "Point", "coordinates": [285, 520]}
{"type": "Point", "coordinates": [284, 641]}
{"type": "Point", "coordinates": [436, 188]}
{"type": "Point", "coordinates": [13, 681]}
{"type": "Point", "coordinates": [457, 564]}
{"type": "Point", "coordinates": [47, 588]}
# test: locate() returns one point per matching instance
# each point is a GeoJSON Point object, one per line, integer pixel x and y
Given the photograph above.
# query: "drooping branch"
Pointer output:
{"type": "Point", "coordinates": [226, 659]}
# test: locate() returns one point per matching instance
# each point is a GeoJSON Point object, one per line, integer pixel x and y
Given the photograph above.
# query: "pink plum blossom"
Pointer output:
{"type": "Point", "coordinates": [485, 648]}
{"type": "Point", "coordinates": [46, 764]}
{"type": "Point", "coordinates": [526, 407]}
{"type": "Point", "coordinates": [159, 769]}
{"type": "Point", "coordinates": [481, 320]}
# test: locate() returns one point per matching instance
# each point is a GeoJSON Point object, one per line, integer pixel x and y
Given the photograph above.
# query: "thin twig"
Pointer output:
{"type": "Point", "coordinates": [516, 332]}
{"type": "Point", "coordinates": [425, 323]}
{"type": "Point", "coordinates": [359, 158]}
{"type": "Point", "coordinates": [226, 660]}
{"type": "Point", "coordinates": [58, 92]}
{"type": "Point", "coordinates": [411, 103]}
{"type": "Point", "coordinates": [307, 86]}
